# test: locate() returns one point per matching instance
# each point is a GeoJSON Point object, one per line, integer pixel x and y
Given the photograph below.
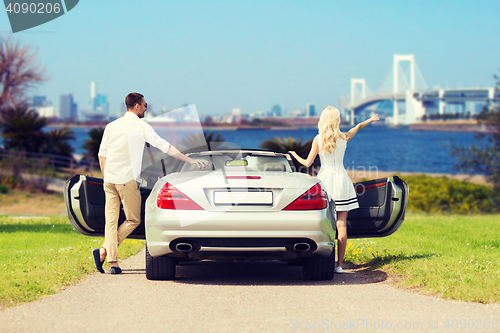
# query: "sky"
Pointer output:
{"type": "Point", "coordinates": [251, 55]}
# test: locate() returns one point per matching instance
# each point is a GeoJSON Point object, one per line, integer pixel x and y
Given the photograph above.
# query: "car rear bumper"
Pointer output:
{"type": "Point", "coordinates": [239, 235]}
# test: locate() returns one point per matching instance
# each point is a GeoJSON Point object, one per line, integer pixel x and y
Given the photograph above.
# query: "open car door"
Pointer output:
{"type": "Point", "coordinates": [84, 197]}
{"type": "Point", "coordinates": [382, 208]}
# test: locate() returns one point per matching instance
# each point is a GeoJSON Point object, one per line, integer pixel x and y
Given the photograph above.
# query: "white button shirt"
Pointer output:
{"type": "Point", "coordinates": [123, 146]}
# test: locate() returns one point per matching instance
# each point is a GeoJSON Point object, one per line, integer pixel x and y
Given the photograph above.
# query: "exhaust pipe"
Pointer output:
{"type": "Point", "coordinates": [184, 247]}
{"type": "Point", "coordinates": [301, 247]}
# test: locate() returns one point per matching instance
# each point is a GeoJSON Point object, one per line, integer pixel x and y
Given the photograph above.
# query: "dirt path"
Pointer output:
{"type": "Point", "coordinates": [242, 297]}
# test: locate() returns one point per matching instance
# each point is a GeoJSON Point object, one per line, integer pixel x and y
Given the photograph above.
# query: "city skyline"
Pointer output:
{"type": "Point", "coordinates": [255, 55]}
{"type": "Point", "coordinates": [98, 109]}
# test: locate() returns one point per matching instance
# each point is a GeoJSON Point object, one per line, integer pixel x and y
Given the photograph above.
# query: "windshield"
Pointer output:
{"type": "Point", "coordinates": [240, 161]}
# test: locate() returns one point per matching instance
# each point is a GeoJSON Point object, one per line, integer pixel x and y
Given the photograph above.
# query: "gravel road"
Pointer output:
{"type": "Point", "coordinates": [244, 297]}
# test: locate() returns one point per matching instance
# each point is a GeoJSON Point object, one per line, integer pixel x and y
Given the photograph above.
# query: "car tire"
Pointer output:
{"type": "Point", "coordinates": [159, 268]}
{"type": "Point", "coordinates": [319, 268]}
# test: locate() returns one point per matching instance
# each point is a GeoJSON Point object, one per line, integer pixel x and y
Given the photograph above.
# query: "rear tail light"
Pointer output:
{"type": "Point", "coordinates": [313, 199]}
{"type": "Point", "coordinates": [171, 198]}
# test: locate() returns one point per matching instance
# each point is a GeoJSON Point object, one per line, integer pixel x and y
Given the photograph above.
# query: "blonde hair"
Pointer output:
{"type": "Point", "coordinates": [329, 129]}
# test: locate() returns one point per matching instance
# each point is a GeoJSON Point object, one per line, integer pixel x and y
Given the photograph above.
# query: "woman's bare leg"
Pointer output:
{"type": "Point", "coordinates": [341, 237]}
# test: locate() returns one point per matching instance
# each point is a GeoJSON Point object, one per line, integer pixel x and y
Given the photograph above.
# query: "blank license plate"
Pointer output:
{"type": "Point", "coordinates": [243, 198]}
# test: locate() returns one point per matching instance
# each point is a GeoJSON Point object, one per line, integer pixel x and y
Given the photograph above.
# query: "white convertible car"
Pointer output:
{"type": "Point", "coordinates": [246, 205]}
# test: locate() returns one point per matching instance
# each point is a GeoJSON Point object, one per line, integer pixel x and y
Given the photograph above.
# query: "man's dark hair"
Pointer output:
{"type": "Point", "coordinates": [132, 99]}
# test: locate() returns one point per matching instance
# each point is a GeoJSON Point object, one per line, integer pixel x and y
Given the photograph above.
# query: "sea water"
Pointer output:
{"type": "Point", "coordinates": [376, 148]}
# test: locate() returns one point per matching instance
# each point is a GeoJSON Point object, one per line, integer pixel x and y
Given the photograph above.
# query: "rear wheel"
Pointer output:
{"type": "Point", "coordinates": [159, 268]}
{"type": "Point", "coordinates": [319, 268]}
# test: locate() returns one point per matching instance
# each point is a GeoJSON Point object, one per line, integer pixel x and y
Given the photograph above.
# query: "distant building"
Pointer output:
{"type": "Point", "coordinates": [68, 108]}
{"type": "Point", "coordinates": [276, 109]}
{"type": "Point", "coordinates": [44, 107]}
{"type": "Point", "coordinates": [47, 111]}
{"type": "Point", "coordinates": [236, 112]}
{"type": "Point", "coordinates": [260, 114]}
{"type": "Point", "coordinates": [93, 90]}
{"type": "Point", "coordinates": [297, 113]}
{"type": "Point", "coordinates": [227, 118]}
{"type": "Point", "coordinates": [217, 118]}
{"type": "Point", "coordinates": [98, 102]}
{"type": "Point", "coordinates": [40, 101]}
{"type": "Point", "coordinates": [98, 105]}
{"type": "Point", "coordinates": [310, 110]}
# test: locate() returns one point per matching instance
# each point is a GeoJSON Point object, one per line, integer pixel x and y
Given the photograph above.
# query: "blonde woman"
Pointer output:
{"type": "Point", "coordinates": [331, 143]}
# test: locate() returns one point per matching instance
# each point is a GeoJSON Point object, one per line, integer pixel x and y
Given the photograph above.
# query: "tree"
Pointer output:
{"type": "Point", "coordinates": [483, 158]}
{"type": "Point", "coordinates": [93, 143]}
{"type": "Point", "coordinates": [212, 137]}
{"type": "Point", "coordinates": [18, 73]}
{"type": "Point", "coordinates": [286, 144]}
{"type": "Point", "coordinates": [197, 142]}
{"type": "Point", "coordinates": [22, 130]}
{"type": "Point", "coordinates": [58, 140]}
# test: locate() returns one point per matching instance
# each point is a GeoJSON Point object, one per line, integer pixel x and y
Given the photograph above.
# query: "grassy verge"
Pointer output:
{"type": "Point", "coordinates": [40, 256]}
{"type": "Point", "coordinates": [26, 203]}
{"type": "Point", "coordinates": [453, 256]}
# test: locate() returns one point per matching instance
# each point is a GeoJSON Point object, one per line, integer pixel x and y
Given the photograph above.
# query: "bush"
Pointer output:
{"type": "Point", "coordinates": [19, 172]}
{"type": "Point", "coordinates": [442, 194]}
{"type": "Point", "coordinates": [4, 189]}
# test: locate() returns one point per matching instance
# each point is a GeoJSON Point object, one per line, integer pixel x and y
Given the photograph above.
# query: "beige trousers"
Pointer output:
{"type": "Point", "coordinates": [127, 194]}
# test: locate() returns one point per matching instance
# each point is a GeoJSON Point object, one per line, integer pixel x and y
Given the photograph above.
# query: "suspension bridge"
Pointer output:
{"type": "Point", "coordinates": [407, 93]}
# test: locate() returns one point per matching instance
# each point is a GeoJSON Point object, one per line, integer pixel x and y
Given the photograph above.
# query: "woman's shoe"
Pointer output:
{"type": "Point", "coordinates": [339, 270]}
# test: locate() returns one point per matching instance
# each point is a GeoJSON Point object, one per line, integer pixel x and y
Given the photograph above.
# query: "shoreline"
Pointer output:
{"type": "Point", "coordinates": [431, 126]}
{"type": "Point", "coordinates": [469, 126]}
{"type": "Point", "coordinates": [188, 126]}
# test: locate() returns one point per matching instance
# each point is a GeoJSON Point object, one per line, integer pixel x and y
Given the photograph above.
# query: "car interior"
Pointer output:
{"type": "Point", "coordinates": [252, 162]}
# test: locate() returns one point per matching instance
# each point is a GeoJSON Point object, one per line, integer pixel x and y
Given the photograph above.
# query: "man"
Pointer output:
{"type": "Point", "coordinates": [120, 156]}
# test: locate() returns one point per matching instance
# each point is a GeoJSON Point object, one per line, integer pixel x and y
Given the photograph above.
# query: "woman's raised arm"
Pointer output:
{"type": "Point", "coordinates": [352, 132]}
{"type": "Point", "coordinates": [312, 154]}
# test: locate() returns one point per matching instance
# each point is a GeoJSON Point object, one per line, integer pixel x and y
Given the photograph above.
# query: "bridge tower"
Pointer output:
{"type": "Point", "coordinates": [398, 58]}
{"type": "Point", "coordinates": [355, 82]}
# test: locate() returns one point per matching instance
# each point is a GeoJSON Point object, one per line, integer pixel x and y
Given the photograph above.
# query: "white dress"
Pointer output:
{"type": "Point", "coordinates": [335, 179]}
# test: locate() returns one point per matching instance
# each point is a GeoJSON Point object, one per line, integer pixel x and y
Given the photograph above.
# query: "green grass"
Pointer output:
{"type": "Point", "coordinates": [452, 256]}
{"type": "Point", "coordinates": [40, 256]}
